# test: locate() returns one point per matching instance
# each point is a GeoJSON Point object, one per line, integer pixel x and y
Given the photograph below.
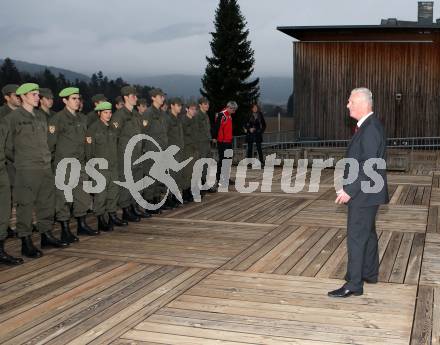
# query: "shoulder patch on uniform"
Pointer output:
{"type": "Point", "coordinates": [52, 129]}
{"type": "Point", "coordinates": [115, 124]}
{"type": "Point", "coordinates": [88, 140]}
{"type": "Point", "coordinates": [145, 123]}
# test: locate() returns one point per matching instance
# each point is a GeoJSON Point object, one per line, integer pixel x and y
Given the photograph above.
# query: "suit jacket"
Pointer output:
{"type": "Point", "coordinates": [368, 142]}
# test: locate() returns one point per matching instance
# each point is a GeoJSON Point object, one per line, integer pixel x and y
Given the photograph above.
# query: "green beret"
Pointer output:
{"type": "Point", "coordinates": [46, 93]}
{"type": "Point", "coordinates": [156, 92]}
{"type": "Point", "coordinates": [68, 91]}
{"type": "Point", "coordinates": [99, 98]}
{"type": "Point", "coordinates": [176, 100]}
{"type": "Point", "coordinates": [9, 88]}
{"type": "Point", "coordinates": [128, 90]}
{"type": "Point", "coordinates": [103, 106]}
{"type": "Point", "coordinates": [203, 100]}
{"type": "Point", "coordinates": [27, 87]}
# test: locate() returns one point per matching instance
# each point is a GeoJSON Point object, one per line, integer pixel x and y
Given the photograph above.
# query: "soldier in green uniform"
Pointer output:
{"type": "Point", "coordinates": [155, 127]}
{"type": "Point", "coordinates": [191, 147]}
{"type": "Point", "coordinates": [46, 102]}
{"type": "Point", "coordinates": [175, 137]}
{"type": "Point", "coordinates": [127, 122]}
{"type": "Point", "coordinates": [67, 137]}
{"type": "Point", "coordinates": [92, 115]}
{"type": "Point", "coordinates": [202, 118]}
{"type": "Point", "coordinates": [11, 100]}
{"type": "Point", "coordinates": [141, 106]}
{"type": "Point", "coordinates": [101, 142]}
{"type": "Point", "coordinates": [27, 148]}
{"type": "Point", "coordinates": [5, 199]}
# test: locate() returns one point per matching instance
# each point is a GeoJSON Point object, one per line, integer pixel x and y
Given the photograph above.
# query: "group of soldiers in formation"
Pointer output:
{"type": "Point", "coordinates": [34, 139]}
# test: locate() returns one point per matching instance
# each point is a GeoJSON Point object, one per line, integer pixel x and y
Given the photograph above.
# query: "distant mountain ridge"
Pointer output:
{"type": "Point", "coordinates": [274, 90]}
{"type": "Point", "coordinates": [33, 68]}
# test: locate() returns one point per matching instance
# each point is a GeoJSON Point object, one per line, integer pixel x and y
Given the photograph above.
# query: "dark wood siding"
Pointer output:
{"type": "Point", "coordinates": [326, 72]}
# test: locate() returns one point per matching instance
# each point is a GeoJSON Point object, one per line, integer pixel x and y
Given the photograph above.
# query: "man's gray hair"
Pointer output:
{"type": "Point", "coordinates": [232, 105]}
{"type": "Point", "coordinates": [366, 93]}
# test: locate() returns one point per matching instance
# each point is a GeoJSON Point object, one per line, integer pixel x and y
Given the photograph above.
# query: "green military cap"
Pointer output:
{"type": "Point", "coordinates": [203, 100]}
{"type": "Point", "coordinates": [176, 100]}
{"type": "Point", "coordinates": [99, 97]}
{"type": "Point", "coordinates": [26, 87]}
{"type": "Point", "coordinates": [128, 90]}
{"type": "Point", "coordinates": [155, 92]}
{"type": "Point", "coordinates": [46, 93]}
{"type": "Point", "coordinates": [9, 88]}
{"type": "Point", "coordinates": [68, 91]}
{"type": "Point", "coordinates": [103, 106]}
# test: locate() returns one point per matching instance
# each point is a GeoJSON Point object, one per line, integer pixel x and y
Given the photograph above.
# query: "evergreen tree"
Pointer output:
{"type": "Point", "coordinates": [9, 73]}
{"type": "Point", "coordinates": [227, 74]}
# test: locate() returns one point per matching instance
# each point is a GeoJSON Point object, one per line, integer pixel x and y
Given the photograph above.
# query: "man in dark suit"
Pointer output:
{"type": "Point", "coordinates": [364, 195]}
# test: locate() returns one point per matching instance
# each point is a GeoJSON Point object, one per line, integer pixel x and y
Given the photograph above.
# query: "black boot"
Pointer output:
{"type": "Point", "coordinates": [140, 213]}
{"type": "Point", "coordinates": [66, 234]}
{"type": "Point", "coordinates": [103, 225]}
{"type": "Point", "coordinates": [116, 221]}
{"type": "Point", "coordinates": [129, 216]}
{"type": "Point", "coordinates": [84, 229]}
{"type": "Point", "coordinates": [49, 240]}
{"type": "Point", "coordinates": [11, 233]}
{"type": "Point", "coordinates": [170, 202]}
{"type": "Point", "coordinates": [28, 249]}
{"type": "Point", "coordinates": [7, 259]}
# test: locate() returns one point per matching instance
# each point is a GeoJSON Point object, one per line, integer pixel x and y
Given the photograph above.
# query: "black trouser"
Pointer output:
{"type": "Point", "coordinates": [221, 147]}
{"type": "Point", "coordinates": [362, 247]}
{"type": "Point", "coordinates": [259, 150]}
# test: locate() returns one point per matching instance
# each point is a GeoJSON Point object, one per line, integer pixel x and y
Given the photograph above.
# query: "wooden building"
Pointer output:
{"type": "Point", "coordinates": [400, 63]}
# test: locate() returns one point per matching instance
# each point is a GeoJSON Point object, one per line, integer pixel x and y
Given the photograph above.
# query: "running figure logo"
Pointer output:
{"type": "Point", "coordinates": [164, 162]}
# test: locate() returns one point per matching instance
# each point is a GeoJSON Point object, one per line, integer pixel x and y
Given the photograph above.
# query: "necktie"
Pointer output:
{"type": "Point", "coordinates": [356, 129]}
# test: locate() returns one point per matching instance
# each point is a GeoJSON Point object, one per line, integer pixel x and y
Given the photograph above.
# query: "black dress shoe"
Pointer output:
{"type": "Point", "coordinates": [103, 225]}
{"type": "Point", "coordinates": [28, 249]}
{"type": "Point", "coordinates": [140, 213]}
{"type": "Point", "coordinates": [66, 234]}
{"type": "Point", "coordinates": [11, 233]}
{"type": "Point", "coordinates": [49, 240]}
{"type": "Point", "coordinates": [129, 216]}
{"type": "Point", "coordinates": [116, 221]}
{"type": "Point", "coordinates": [84, 229]}
{"type": "Point", "coordinates": [344, 292]}
{"type": "Point", "coordinates": [7, 259]}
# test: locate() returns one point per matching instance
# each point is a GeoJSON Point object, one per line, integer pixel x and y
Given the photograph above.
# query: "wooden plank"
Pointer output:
{"type": "Point", "coordinates": [390, 257]}
{"type": "Point", "coordinates": [401, 262]}
{"type": "Point", "coordinates": [422, 328]}
{"type": "Point", "coordinates": [415, 260]}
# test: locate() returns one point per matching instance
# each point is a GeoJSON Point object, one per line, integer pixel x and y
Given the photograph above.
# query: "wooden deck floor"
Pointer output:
{"type": "Point", "coordinates": [236, 269]}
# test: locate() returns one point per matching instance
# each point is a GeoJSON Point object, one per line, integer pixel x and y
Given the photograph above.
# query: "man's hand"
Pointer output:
{"type": "Point", "coordinates": [342, 197]}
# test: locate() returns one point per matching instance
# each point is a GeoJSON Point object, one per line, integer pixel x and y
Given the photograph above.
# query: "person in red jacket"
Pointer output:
{"type": "Point", "coordinates": [222, 132]}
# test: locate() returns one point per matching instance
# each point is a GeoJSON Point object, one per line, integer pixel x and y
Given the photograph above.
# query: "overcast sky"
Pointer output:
{"type": "Point", "coordinates": [145, 37]}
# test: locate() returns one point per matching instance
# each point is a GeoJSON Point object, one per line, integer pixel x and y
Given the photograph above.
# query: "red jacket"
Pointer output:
{"type": "Point", "coordinates": [223, 127]}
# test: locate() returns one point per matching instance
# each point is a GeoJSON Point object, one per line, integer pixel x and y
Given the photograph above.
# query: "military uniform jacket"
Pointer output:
{"type": "Point", "coordinates": [49, 115]}
{"type": "Point", "coordinates": [190, 130]}
{"type": "Point", "coordinates": [102, 142]}
{"type": "Point", "coordinates": [155, 126]}
{"type": "Point", "coordinates": [126, 125]}
{"type": "Point", "coordinates": [3, 138]}
{"type": "Point", "coordinates": [91, 118]}
{"type": "Point", "coordinates": [67, 135]}
{"type": "Point", "coordinates": [26, 144]}
{"type": "Point", "coordinates": [204, 126]}
{"type": "Point", "coordinates": [4, 110]}
{"type": "Point", "coordinates": [174, 130]}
